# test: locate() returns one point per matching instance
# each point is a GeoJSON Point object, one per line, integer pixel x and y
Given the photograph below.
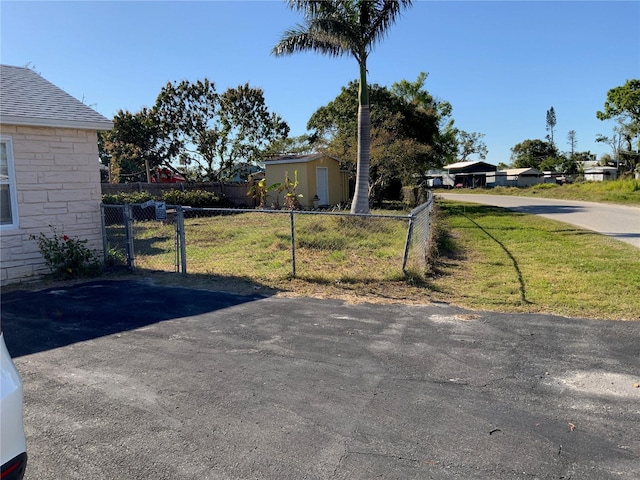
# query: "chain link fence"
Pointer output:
{"type": "Point", "coordinates": [268, 245]}
{"type": "Point", "coordinates": [418, 246]}
{"type": "Point", "coordinates": [133, 236]}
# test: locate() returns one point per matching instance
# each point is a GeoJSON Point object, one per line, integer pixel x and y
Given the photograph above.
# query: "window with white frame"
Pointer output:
{"type": "Point", "coordinates": [8, 203]}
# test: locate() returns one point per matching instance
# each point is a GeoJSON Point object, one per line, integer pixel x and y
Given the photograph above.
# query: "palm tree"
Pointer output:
{"type": "Point", "coordinates": [348, 27]}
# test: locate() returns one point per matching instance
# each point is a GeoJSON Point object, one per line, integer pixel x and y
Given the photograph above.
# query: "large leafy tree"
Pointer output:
{"type": "Point", "coordinates": [623, 105]}
{"type": "Point", "coordinates": [405, 135]}
{"type": "Point", "coordinates": [444, 140]}
{"type": "Point", "coordinates": [470, 143]}
{"type": "Point", "coordinates": [210, 135]}
{"type": "Point", "coordinates": [131, 148]}
{"type": "Point", "coordinates": [300, 145]}
{"type": "Point", "coordinates": [249, 129]}
{"type": "Point", "coordinates": [348, 27]}
{"type": "Point", "coordinates": [532, 153]}
{"type": "Point", "coordinates": [218, 132]}
{"type": "Point", "coordinates": [184, 112]}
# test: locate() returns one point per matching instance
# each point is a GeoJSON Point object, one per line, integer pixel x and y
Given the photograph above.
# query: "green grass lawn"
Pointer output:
{"type": "Point", "coordinates": [507, 261]}
{"type": "Point", "coordinates": [336, 248]}
{"type": "Point", "coordinates": [490, 259]}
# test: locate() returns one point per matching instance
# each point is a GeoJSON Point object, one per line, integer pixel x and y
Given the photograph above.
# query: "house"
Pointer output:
{"type": "Point", "coordinates": [559, 178]}
{"type": "Point", "coordinates": [600, 174]}
{"type": "Point", "coordinates": [470, 174]}
{"type": "Point", "coordinates": [49, 170]}
{"type": "Point", "coordinates": [318, 174]}
{"type": "Point", "coordinates": [515, 177]}
{"type": "Point", "coordinates": [244, 171]}
{"type": "Point", "coordinates": [436, 178]}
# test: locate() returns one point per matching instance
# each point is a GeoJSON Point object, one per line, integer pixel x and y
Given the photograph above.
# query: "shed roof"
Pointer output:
{"type": "Point", "coordinates": [460, 164]}
{"type": "Point", "coordinates": [471, 164]}
{"type": "Point", "coordinates": [519, 171]}
{"type": "Point", "coordinates": [298, 159]}
{"type": "Point", "coordinates": [28, 99]}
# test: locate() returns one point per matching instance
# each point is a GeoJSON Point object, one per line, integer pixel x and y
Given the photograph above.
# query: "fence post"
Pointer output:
{"type": "Point", "coordinates": [181, 238]}
{"type": "Point", "coordinates": [104, 233]}
{"type": "Point", "coordinates": [407, 243]}
{"type": "Point", "coordinates": [293, 246]}
{"type": "Point", "coordinates": [128, 232]}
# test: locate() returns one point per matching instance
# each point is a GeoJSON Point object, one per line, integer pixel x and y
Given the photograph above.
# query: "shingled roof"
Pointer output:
{"type": "Point", "coordinates": [28, 99]}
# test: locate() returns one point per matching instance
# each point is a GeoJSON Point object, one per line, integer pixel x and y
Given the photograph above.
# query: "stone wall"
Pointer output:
{"type": "Point", "coordinates": [58, 185]}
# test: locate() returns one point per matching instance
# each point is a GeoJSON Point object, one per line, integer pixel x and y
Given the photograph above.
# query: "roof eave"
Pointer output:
{"type": "Point", "coordinates": [57, 123]}
{"type": "Point", "coordinates": [302, 159]}
{"type": "Point", "coordinates": [287, 161]}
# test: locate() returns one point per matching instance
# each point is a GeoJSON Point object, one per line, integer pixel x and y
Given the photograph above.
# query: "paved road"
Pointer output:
{"type": "Point", "coordinates": [618, 221]}
{"type": "Point", "coordinates": [131, 380]}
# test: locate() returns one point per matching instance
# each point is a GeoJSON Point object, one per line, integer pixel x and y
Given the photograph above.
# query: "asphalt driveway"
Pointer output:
{"type": "Point", "coordinates": [618, 221]}
{"type": "Point", "coordinates": [125, 379]}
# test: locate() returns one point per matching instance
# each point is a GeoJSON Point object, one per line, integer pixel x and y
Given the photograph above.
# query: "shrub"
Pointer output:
{"type": "Point", "coordinates": [414, 195]}
{"type": "Point", "coordinates": [68, 257]}
{"type": "Point", "coordinates": [192, 198]}
{"type": "Point", "coordinates": [115, 258]}
{"type": "Point", "coordinates": [121, 198]}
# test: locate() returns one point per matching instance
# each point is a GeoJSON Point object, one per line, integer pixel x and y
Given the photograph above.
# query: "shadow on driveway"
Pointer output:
{"type": "Point", "coordinates": [56, 317]}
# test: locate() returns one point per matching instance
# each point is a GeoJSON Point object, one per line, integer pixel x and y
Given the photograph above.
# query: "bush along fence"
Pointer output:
{"type": "Point", "coordinates": [267, 245]}
{"type": "Point", "coordinates": [228, 194]}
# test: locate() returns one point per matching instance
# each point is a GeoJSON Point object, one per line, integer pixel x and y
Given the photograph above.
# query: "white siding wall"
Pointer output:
{"type": "Point", "coordinates": [58, 184]}
{"type": "Point", "coordinates": [527, 181]}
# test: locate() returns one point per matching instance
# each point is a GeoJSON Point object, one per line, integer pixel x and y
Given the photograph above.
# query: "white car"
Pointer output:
{"type": "Point", "coordinates": [13, 445]}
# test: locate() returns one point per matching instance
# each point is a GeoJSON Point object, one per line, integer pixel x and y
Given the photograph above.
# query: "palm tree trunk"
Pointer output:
{"type": "Point", "coordinates": [360, 202]}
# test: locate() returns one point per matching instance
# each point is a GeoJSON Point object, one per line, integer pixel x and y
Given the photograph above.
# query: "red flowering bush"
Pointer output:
{"type": "Point", "coordinates": [68, 257]}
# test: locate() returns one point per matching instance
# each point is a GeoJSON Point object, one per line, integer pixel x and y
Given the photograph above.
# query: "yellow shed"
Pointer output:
{"type": "Point", "coordinates": [318, 174]}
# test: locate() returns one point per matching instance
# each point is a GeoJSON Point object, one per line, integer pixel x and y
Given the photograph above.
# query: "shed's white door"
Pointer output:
{"type": "Point", "coordinates": [322, 185]}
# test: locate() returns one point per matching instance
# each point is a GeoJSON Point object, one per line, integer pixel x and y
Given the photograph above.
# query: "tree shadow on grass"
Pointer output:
{"type": "Point", "coordinates": [458, 208]}
{"type": "Point", "coordinates": [467, 210]}
{"type": "Point", "coordinates": [516, 267]}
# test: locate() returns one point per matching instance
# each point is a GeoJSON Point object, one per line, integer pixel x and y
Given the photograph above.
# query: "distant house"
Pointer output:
{"type": "Point", "coordinates": [244, 171]}
{"type": "Point", "coordinates": [469, 174]}
{"type": "Point", "coordinates": [515, 177]}
{"type": "Point", "coordinates": [49, 170]}
{"type": "Point", "coordinates": [600, 174]}
{"type": "Point", "coordinates": [558, 178]}
{"type": "Point", "coordinates": [318, 174]}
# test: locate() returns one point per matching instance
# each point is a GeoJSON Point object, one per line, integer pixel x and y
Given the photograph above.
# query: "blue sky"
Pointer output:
{"type": "Point", "coordinates": [501, 65]}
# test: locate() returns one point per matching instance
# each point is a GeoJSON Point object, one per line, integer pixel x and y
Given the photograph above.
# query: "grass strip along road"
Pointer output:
{"type": "Point", "coordinates": [510, 261]}
{"type": "Point", "coordinates": [619, 221]}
